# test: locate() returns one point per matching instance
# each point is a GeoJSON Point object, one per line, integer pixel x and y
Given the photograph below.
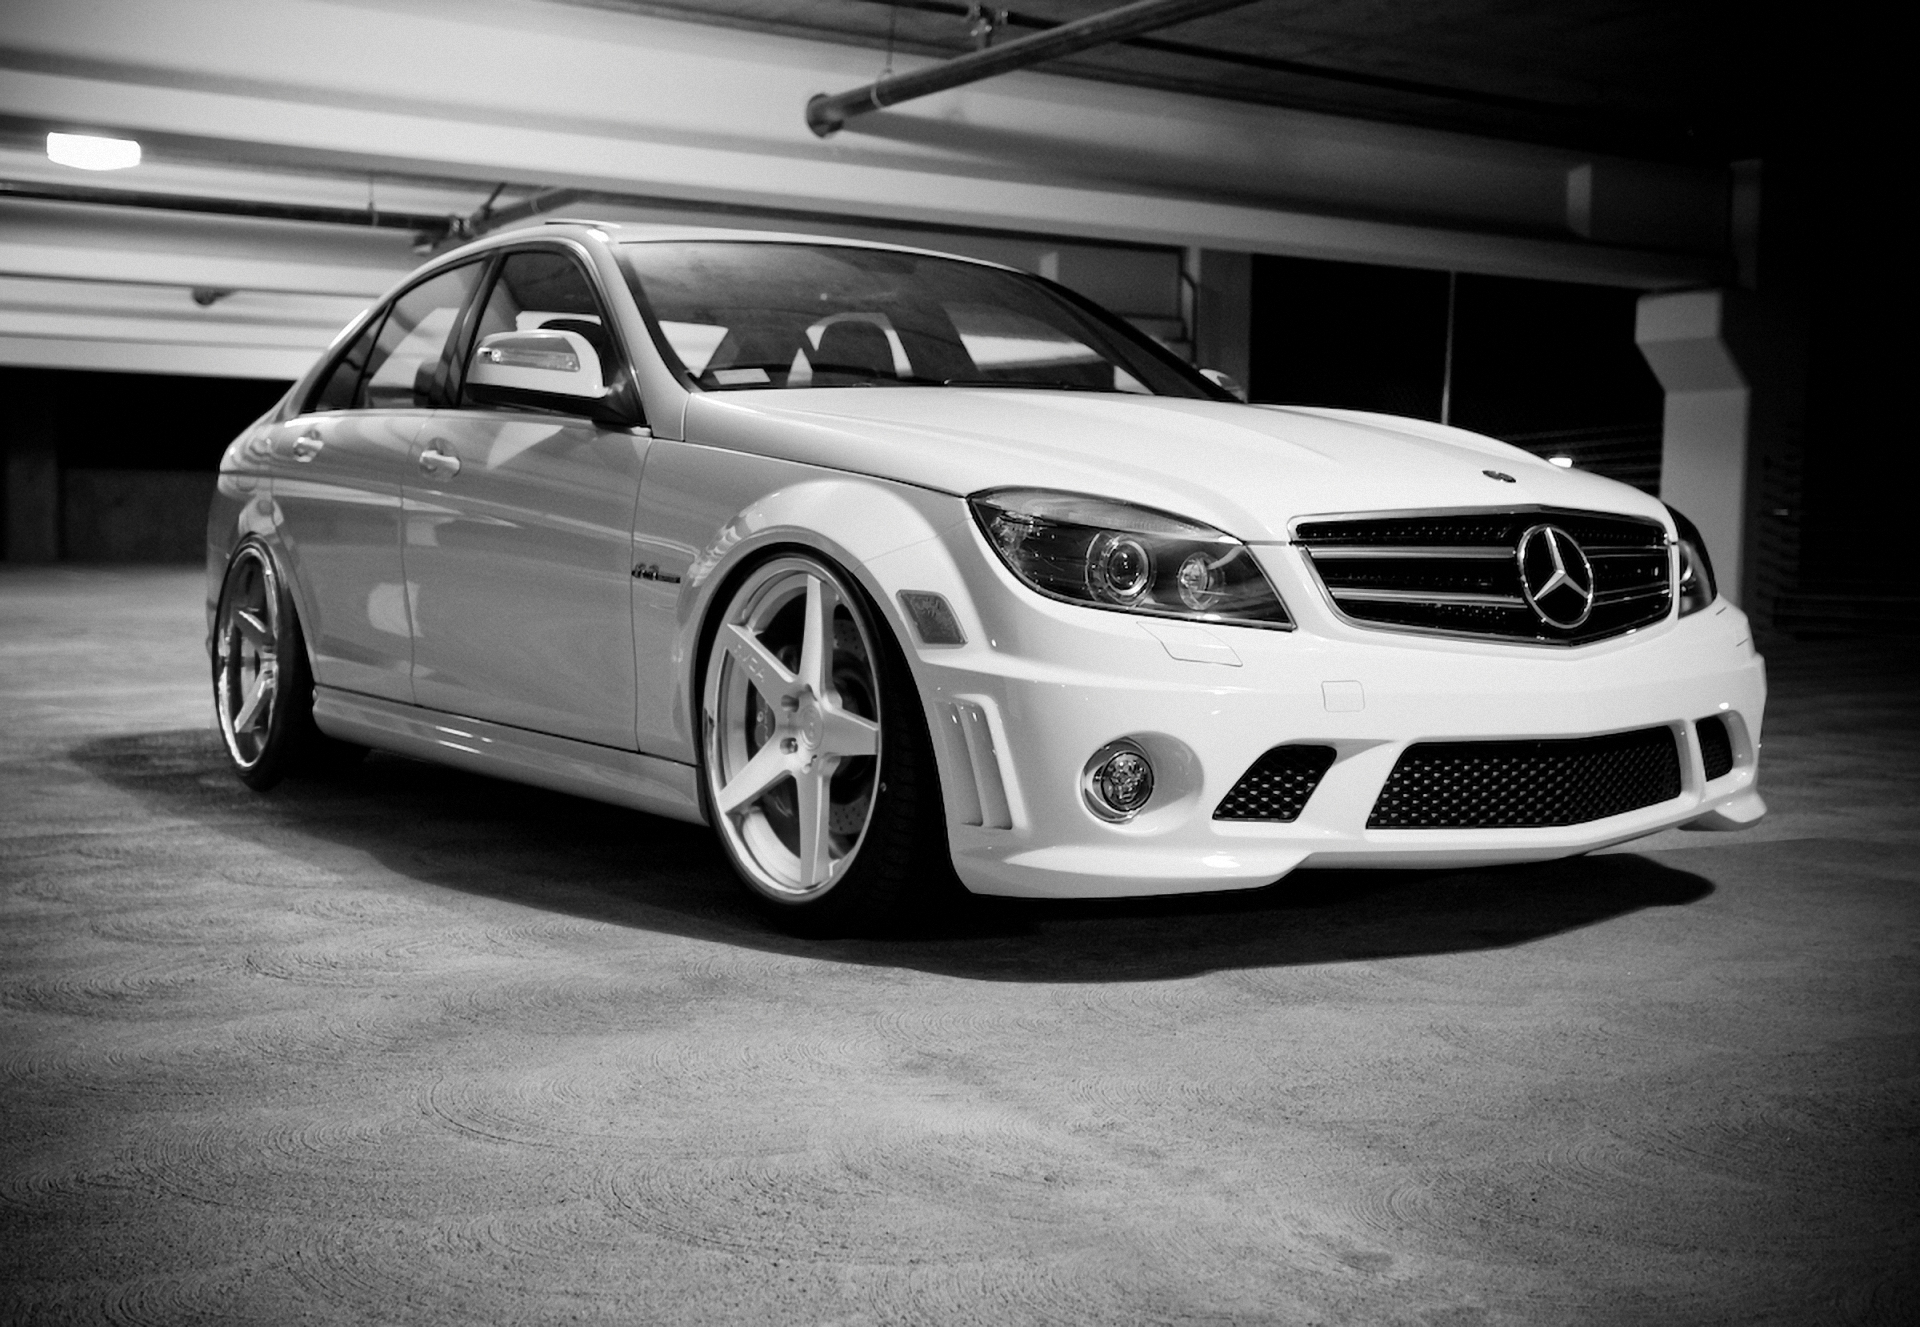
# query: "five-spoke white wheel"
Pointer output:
{"type": "Point", "coordinates": [809, 748]}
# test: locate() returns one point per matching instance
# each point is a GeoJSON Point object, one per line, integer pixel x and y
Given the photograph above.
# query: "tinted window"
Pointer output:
{"type": "Point", "coordinates": [404, 368]}
{"type": "Point", "coordinates": [542, 288]}
{"type": "Point", "coordinates": [745, 315]}
{"type": "Point", "coordinates": [341, 386]}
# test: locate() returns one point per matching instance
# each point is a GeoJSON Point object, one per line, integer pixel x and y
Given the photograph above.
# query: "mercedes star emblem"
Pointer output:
{"type": "Point", "coordinates": [1555, 576]}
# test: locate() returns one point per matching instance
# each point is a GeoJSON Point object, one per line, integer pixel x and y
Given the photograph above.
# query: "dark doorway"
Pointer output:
{"type": "Point", "coordinates": [1549, 366]}
{"type": "Point", "coordinates": [142, 421]}
{"type": "Point", "coordinates": [1552, 367]}
{"type": "Point", "coordinates": [118, 467]}
{"type": "Point", "coordinates": [1349, 335]}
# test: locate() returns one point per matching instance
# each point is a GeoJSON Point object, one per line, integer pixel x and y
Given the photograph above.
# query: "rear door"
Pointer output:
{"type": "Point", "coordinates": [519, 529]}
{"type": "Point", "coordinates": [339, 468]}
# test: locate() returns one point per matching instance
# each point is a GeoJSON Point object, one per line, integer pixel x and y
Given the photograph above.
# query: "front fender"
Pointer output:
{"type": "Point", "coordinates": [708, 514]}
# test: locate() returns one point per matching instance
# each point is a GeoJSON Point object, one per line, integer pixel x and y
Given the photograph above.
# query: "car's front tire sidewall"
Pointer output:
{"type": "Point", "coordinates": [883, 871]}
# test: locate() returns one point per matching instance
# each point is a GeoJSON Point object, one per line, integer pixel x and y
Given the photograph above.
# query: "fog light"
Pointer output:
{"type": "Point", "coordinates": [1118, 781]}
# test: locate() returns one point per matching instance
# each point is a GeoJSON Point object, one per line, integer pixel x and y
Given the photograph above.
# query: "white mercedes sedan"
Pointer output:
{"type": "Point", "coordinates": [887, 564]}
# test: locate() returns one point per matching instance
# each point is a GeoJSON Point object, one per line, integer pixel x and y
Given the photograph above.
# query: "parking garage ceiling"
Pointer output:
{"type": "Point", "coordinates": [1587, 141]}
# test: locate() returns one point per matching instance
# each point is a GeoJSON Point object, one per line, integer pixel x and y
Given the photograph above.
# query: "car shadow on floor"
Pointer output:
{"type": "Point", "coordinates": [452, 830]}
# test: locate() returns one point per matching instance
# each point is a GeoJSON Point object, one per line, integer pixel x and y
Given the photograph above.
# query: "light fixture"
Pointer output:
{"type": "Point", "coordinates": [1564, 462]}
{"type": "Point", "coordinates": [92, 152]}
{"type": "Point", "coordinates": [1118, 781]}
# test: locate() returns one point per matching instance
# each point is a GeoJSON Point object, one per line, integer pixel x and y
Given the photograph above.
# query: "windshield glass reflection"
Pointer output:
{"type": "Point", "coordinates": [744, 315]}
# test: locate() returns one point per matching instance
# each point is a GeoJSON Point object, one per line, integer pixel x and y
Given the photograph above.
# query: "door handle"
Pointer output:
{"type": "Point", "coordinates": [303, 448]}
{"type": "Point", "coordinates": [439, 465]}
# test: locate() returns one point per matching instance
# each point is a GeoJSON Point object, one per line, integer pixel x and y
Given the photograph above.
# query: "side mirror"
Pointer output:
{"type": "Point", "coordinates": [546, 369]}
{"type": "Point", "coordinates": [1219, 379]}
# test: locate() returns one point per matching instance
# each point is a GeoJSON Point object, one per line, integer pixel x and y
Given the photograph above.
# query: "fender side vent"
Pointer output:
{"type": "Point", "coordinates": [1276, 786]}
{"type": "Point", "coordinates": [980, 797]}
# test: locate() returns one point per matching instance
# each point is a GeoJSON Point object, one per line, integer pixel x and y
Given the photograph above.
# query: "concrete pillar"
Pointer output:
{"type": "Point", "coordinates": [33, 478]}
{"type": "Point", "coordinates": [1729, 455]}
{"type": "Point", "coordinates": [1223, 312]}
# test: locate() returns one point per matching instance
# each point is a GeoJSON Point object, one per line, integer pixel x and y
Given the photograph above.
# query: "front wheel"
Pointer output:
{"type": "Point", "coordinates": [817, 767]}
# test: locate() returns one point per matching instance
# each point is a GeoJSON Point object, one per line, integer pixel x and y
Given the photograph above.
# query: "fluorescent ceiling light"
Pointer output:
{"type": "Point", "coordinates": [91, 152]}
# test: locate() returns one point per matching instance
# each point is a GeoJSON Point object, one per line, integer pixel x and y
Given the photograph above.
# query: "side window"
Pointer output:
{"type": "Point", "coordinates": [404, 367]}
{"type": "Point", "coordinates": [541, 288]}
{"type": "Point", "coordinates": [341, 386]}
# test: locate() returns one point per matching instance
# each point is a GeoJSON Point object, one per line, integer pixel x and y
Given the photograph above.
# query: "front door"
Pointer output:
{"type": "Point", "coordinates": [518, 533]}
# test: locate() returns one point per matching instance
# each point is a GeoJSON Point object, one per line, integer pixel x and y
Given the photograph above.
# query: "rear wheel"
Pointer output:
{"type": "Point", "coordinates": [262, 685]}
{"type": "Point", "coordinates": [815, 757]}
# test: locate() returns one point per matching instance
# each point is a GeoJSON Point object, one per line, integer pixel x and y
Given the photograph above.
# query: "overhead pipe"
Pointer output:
{"type": "Point", "coordinates": [364, 218]}
{"type": "Point", "coordinates": [491, 218]}
{"type": "Point", "coordinates": [431, 231]}
{"type": "Point", "coordinates": [1553, 123]}
{"type": "Point", "coordinates": [828, 114]}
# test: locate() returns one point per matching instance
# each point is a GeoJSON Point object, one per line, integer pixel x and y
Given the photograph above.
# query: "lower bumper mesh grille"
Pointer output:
{"type": "Point", "coordinates": [1716, 746]}
{"type": "Point", "coordinates": [1277, 786]}
{"type": "Point", "coordinates": [1511, 785]}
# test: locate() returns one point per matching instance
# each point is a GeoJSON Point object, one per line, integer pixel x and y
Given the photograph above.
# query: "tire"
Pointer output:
{"type": "Point", "coordinates": [262, 682]}
{"type": "Point", "coordinates": [816, 766]}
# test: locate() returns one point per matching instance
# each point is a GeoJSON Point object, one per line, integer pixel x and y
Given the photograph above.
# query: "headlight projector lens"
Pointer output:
{"type": "Point", "coordinates": [1118, 569]}
{"type": "Point", "coordinates": [1118, 781]}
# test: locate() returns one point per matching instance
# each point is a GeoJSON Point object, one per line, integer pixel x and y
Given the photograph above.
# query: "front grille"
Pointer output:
{"type": "Point", "coordinates": [1716, 746]}
{"type": "Point", "coordinates": [1509, 785]}
{"type": "Point", "coordinates": [1277, 786]}
{"type": "Point", "coordinates": [1459, 573]}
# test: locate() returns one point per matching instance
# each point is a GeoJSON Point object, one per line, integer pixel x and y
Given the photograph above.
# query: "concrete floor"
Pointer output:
{"type": "Point", "coordinates": [418, 1047]}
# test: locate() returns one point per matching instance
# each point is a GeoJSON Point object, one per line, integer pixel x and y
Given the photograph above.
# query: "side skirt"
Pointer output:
{"type": "Point", "coordinates": [625, 778]}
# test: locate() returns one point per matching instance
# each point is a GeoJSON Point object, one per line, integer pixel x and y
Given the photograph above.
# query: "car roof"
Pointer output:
{"type": "Point", "coordinates": [647, 233]}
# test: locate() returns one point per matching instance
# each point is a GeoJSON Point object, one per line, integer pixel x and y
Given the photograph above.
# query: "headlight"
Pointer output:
{"type": "Point", "coordinates": [1697, 589]}
{"type": "Point", "coordinates": [1131, 559]}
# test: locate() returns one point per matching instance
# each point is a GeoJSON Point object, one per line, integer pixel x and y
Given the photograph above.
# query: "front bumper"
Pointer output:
{"type": "Point", "coordinates": [1040, 686]}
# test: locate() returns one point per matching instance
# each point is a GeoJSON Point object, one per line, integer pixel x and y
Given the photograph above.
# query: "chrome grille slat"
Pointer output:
{"type": "Point", "coordinates": [1631, 595]}
{"type": "Point", "coordinates": [1414, 551]}
{"type": "Point", "coordinates": [1429, 597]}
{"type": "Point", "coordinates": [1458, 573]}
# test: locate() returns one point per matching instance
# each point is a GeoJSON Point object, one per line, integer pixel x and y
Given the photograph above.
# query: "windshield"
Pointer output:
{"type": "Point", "coordinates": [744, 315]}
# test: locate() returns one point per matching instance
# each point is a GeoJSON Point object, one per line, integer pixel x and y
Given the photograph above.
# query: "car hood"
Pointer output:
{"type": "Point", "coordinates": [1249, 470]}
